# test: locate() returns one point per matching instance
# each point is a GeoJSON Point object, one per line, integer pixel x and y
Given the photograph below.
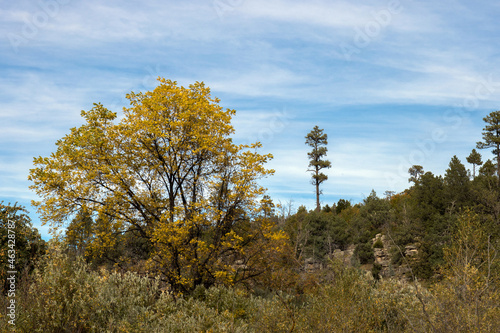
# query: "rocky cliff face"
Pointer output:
{"type": "Point", "coordinates": [345, 256]}
{"type": "Point", "coordinates": [312, 265]}
{"type": "Point", "coordinates": [382, 256]}
{"type": "Point", "coordinates": [382, 246]}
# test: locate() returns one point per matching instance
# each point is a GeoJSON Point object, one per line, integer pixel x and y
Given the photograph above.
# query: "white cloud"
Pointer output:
{"type": "Point", "coordinates": [258, 81]}
{"type": "Point", "coordinates": [329, 14]}
{"type": "Point", "coordinates": [269, 61]}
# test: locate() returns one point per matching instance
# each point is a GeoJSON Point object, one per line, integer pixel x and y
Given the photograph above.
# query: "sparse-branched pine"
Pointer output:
{"type": "Point", "coordinates": [475, 159]}
{"type": "Point", "coordinates": [317, 140]}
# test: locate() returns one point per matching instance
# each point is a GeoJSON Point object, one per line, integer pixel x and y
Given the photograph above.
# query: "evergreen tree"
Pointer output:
{"type": "Point", "coordinates": [488, 169]}
{"type": "Point", "coordinates": [318, 141]}
{"type": "Point", "coordinates": [457, 182]}
{"type": "Point", "coordinates": [388, 194]}
{"type": "Point", "coordinates": [491, 136]}
{"type": "Point", "coordinates": [341, 205]}
{"type": "Point", "coordinates": [488, 181]}
{"type": "Point", "coordinates": [21, 245]}
{"type": "Point", "coordinates": [427, 198]}
{"type": "Point", "coordinates": [416, 171]}
{"type": "Point", "coordinates": [375, 211]}
{"type": "Point", "coordinates": [475, 159]}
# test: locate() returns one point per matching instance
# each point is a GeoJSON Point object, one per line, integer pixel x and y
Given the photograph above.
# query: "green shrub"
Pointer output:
{"type": "Point", "coordinates": [364, 252]}
{"type": "Point", "coordinates": [378, 244]}
{"type": "Point", "coordinates": [376, 269]}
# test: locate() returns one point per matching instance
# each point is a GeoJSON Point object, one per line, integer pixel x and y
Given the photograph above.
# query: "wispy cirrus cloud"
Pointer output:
{"type": "Point", "coordinates": [417, 67]}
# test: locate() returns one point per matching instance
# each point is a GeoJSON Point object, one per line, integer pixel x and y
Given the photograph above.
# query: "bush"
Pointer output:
{"type": "Point", "coordinates": [378, 244]}
{"type": "Point", "coordinates": [376, 269]}
{"type": "Point", "coordinates": [65, 296]}
{"type": "Point", "coordinates": [364, 252]}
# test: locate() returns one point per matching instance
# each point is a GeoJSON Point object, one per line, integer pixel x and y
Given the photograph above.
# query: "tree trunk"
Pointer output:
{"type": "Point", "coordinates": [498, 162]}
{"type": "Point", "coordinates": [318, 207]}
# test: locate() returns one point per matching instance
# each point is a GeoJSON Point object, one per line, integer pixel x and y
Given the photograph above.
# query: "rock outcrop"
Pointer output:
{"type": "Point", "coordinates": [383, 257]}
{"type": "Point", "coordinates": [383, 250]}
{"type": "Point", "coordinates": [346, 255]}
{"type": "Point", "coordinates": [312, 265]}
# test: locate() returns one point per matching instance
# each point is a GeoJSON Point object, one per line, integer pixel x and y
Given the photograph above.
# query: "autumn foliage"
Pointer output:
{"type": "Point", "coordinates": [169, 172]}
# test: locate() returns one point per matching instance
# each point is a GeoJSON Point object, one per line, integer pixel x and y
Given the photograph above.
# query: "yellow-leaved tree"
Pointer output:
{"type": "Point", "coordinates": [469, 295]}
{"type": "Point", "coordinates": [170, 172]}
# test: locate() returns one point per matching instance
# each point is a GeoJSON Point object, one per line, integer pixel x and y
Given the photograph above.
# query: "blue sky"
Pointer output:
{"type": "Point", "coordinates": [393, 83]}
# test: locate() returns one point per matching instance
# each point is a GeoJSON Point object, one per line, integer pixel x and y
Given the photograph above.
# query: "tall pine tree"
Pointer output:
{"type": "Point", "coordinates": [318, 141]}
{"type": "Point", "coordinates": [475, 159]}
